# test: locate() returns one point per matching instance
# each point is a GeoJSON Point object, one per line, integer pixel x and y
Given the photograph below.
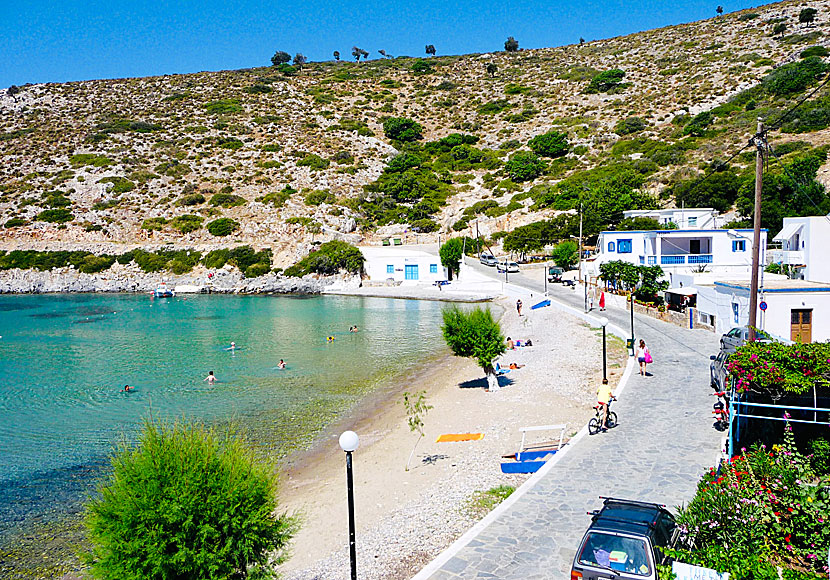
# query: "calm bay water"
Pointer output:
{"type": "Point", "coordinates": [65, 358]}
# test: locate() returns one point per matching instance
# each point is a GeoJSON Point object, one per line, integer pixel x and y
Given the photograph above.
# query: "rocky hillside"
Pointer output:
{"type": "Point", "coordinates": [281, 158]}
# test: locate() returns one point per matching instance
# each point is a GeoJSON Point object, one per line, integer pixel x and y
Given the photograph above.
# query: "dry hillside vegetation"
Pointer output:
{"type": "Point", "coordinates": [296, 156]}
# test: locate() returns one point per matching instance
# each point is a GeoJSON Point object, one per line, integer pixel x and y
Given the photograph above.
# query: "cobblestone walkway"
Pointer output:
{"type": "Point", "coordinates": [663, 443]}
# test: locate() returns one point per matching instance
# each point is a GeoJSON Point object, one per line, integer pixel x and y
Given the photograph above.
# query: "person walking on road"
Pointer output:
{"type": "Point", "coordinates": [602, 301]}
{"type": "Point", "coordinates": [519, 306]}
{"type": "Point", "coordinates": [643, 357]}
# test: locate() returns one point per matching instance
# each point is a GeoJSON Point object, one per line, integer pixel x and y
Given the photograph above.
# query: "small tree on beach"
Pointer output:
{"type": "Point", "coordinates": [475, 334]}
{"type": "Point", "coordinates": [450, 253]}
{"type": "Point", "coordinates": [185, 502]}
{"type": "Point", "coordinates": [416, 407]}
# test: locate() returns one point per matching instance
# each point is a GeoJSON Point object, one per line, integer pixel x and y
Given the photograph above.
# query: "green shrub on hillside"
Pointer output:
{"type": "Point", "coordinates": [550, 144]}
{"type": "Point", "coordinates": [186, 223]}
{"type": "Point", "coordinates": [494, 107]}
{"type": "Point", "coordinates": [811, 116]}
{"type": "Point", "coordinates": [402, 129]}
{"type": "Point", "coordinates": [605, 81]}
{"type": "Point", "coordinates": [173, 168]}
{"type": "Point", "coordinates": [56, 199]}
{"type": "Point", "coordinates": [318, 197]}
{"type": "Point", "coordinates": [186, 502]}
{"type": "Point", "coordinates": [223, 107]}
{"type": "Point", "coordinates": [154, 224]}
{"type": "Point", "coordinates": [815, 51]}
{"type": "Point", "coordinates": [15, 223]}
{"type": "Point", "coordinates": [795, 77]}
{"type": "Point", "coordinates": [524, 166]}
{"type": "Point", "coordinates": [315, 162]}
{"type": "Point", "coordinates": [93, 159]}
{"type": "Point", "coordinates": [629, 125]}
{"type": "Point", "coordinates": [56, 216]}
{"type": "Point", "coordinates": [227, 200]}
{"type": "Point", "coordinates": [119, 184]}
{"type": "Point", "coordinates": [330, 258]}
{"type": "Point", "coordinates": [190, 199]}
{"type": "Point", "coordinates": [278, 198]}
{"type": "Point", "coordinates": [222, 227]}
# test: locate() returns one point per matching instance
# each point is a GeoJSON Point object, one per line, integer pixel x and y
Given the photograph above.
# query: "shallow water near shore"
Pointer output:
{"type": "Point", "coordinates": [65, 358]}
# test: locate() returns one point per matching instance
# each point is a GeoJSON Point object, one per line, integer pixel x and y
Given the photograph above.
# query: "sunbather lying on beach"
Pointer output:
{"type": "Point", "coordinates": [515, 365]}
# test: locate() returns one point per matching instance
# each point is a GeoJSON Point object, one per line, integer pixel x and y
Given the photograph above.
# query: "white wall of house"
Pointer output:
{"type": "Point", "coordinates": [727, 253]}
{"type": "Point", "coordinates": [402, 265]}
{"type": "Point", "coordinates": [704, 218]}
{"type": "Point", "coordinates": [804, 243]}
{"type": "Point", "coordinates": [729, 303]}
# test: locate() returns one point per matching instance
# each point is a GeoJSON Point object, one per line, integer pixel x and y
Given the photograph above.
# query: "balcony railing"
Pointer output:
{"type": "Point", "coordinates": [788, 257]}
{"type": "Point", "coordinates": [700, 259]}
{"type": "Point", "coordinates": [672, 260]}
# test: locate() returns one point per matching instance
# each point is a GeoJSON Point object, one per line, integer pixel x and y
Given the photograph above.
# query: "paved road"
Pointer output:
{"type": "Point", "coordinates": [664, 441]}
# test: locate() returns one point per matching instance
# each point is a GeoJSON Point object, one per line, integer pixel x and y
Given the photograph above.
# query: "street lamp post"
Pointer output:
{"type": "Point", "coordinates": [604, 322]}
{"type": "Point", "coordinates": [348, 443]}
{"type": "Point", "coordinates": [545, 276]}
{"type": "Point", "coordinates": [632, 323]}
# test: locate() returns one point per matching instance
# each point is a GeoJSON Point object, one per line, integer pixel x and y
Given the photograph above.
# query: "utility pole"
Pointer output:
{"type": "Point", "coordinates": [581, 277]}
{"type": "Point", "coordinates": [760, 144]}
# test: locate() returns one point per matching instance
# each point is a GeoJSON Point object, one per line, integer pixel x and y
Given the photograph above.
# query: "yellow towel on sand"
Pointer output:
{"type": "Point", "coordinates": [447, 437]}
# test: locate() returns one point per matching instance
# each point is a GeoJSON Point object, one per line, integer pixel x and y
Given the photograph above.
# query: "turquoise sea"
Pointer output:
{"type": "Point", "coordinates": [65, 358]}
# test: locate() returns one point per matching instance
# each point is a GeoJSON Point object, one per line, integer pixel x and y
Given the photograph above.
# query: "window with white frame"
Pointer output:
{"type": "Point", "coordinates": [624, 246]}
{"type": "Point", "coordinates": [739, 245]}
{"type": "Point", "coordinates": [433, 268]}
{"type": "Point", "coordinates": [390, 269]}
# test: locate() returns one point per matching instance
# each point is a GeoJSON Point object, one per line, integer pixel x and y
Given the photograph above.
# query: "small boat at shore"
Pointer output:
{"type": "Point", "coordinates": [162, 291]}
{"type": "Point", "coordinates": [529, 459]}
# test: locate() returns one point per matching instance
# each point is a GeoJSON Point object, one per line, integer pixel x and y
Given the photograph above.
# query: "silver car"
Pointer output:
{"type": "Point", "coordinates": [507, 266]}
{"type": "Point", "coordinates": [488, 259]}
{"type": "Point", "coordinates": [737, 337]}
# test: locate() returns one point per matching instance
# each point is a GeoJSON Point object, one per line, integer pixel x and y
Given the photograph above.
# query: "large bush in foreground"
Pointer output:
{"type": "Point", "coordinates": [775, 367]}
{"type": "Point", "coordinates": [185, 502]}
{"type": "Point", "coordinates": [763, 509]}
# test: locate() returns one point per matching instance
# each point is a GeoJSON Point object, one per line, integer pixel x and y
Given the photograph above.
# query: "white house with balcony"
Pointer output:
{"type": "Point", "coordinates": [704, 218]}
{"type": "Point", "coordinates": [804, 243]}
{"type": "Point", "coordinates": [397, 264]}
{"type": "Point", "coordinates": [725, 253]}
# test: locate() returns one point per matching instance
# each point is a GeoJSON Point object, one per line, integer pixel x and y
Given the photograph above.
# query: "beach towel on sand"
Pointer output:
{"type": "Point", "coordinates": [449, 437]}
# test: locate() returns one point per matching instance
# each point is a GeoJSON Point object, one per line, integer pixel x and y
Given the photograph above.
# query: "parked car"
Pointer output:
{"type": "Point", "coordinates": [625, 540]}
{"type": "Point", "coordinates": [488, 259]}
{"type": "Point", "coordinates": [717, 370]}
{"type": "Point", "coordinates": [508, 266]}
{"type": "Point", "coordinates": [738, 336]}
{"type": "Point", "coordinates": [555, 274]}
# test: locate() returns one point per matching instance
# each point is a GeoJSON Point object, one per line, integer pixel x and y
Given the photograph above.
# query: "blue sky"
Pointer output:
{"type": "Point", "coordinates": [55, 41]}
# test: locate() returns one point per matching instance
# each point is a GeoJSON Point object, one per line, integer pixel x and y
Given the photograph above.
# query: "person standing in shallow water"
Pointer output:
{"type": "Point", "coordinates": [211, 378]}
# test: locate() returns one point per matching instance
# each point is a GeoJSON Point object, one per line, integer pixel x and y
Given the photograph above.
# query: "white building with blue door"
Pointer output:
{"type": "Point", "coordinates": [725, 253]}
{"type": "Point", "coordinates": [397, 264]}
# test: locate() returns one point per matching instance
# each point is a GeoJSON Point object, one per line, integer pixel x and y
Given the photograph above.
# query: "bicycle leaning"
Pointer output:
{"type": "Point", "coordinates": [595, 424]}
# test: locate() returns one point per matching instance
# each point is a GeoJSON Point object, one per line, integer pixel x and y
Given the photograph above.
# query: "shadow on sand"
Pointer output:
{"type": "Point", "coordinates": [482, 383]}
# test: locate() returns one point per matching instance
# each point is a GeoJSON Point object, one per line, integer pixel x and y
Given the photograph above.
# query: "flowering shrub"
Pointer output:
{"type": "Point", "coordinates": [795, 368]}
{"type": "Point", "coordinates": [763, 510]}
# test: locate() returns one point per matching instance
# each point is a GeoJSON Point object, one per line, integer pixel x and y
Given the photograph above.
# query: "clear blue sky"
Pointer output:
{"type": "Point", "coordinates": [55, 41]}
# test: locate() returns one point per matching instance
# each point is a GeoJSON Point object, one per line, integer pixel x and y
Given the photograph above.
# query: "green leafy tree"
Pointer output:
{"type": "Point", "coordinates": [280, 57]}
{"type": "Point", "coordinates": [330, 258]}
{"type": "Point", "coordinates": [511, 44]}
{"type": "Point", "coordinates": [492, 69]}
{"type": "Point", "coordinates": [550, 144]}
{"type": "Point", "coordinates": [185, 502]}
{"type": "Point", "coordinates": [299, 61]}
{"type": "Point", "coordinates": [719, 191]}
{"type": "Point", "coordinates": [566, 255]}
{"type": "Point", "coordinates": [402, 129]}
{"type": "Point", "coordinates": [629, 125]}
{"type": "Point", "coordinates": [416, 407]}
{"type": "Point", "coordinates": [807, 16]}
{"type": "Point", "coordinates": [450, 253]}
{"type": "Point", "coordinates": [475, 334]}
{"type": "Point", "coordinates": [336, 55]}
{"type": "Point", "coordinates": [779, 29]}
{"type": "Point", "coordinates": [430, 49]}
{"type": "Point", "coordinates": [719, 10]}
{"type": "Point", "coordinates": [524, 166]}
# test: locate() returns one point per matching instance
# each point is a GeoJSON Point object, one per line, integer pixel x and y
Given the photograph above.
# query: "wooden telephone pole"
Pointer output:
{"type": "Point", "coordinates": [760, 144]}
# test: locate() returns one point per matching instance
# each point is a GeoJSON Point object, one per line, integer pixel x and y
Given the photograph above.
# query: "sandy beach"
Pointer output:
{"type": "Point", "coordinates": [405, 518]}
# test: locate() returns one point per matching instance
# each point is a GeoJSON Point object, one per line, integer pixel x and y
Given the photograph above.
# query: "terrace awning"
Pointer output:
{"type": "Point", "coordinates": [788, 231]}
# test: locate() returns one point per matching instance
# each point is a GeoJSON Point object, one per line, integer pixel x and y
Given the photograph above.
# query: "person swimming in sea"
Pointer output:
{"type": "Point", "coordinates": [281, 365]}
{"type": "Point", "coordinates": [211, 378]}
{"type": "Point", "coordinates": [329, 339]}
{"type": "Point", "coordinates": [353, 329]}
{"type": "Point", "coordinates": [232, 347]}
{"type": "Point", "coordinates": [127, 389]}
